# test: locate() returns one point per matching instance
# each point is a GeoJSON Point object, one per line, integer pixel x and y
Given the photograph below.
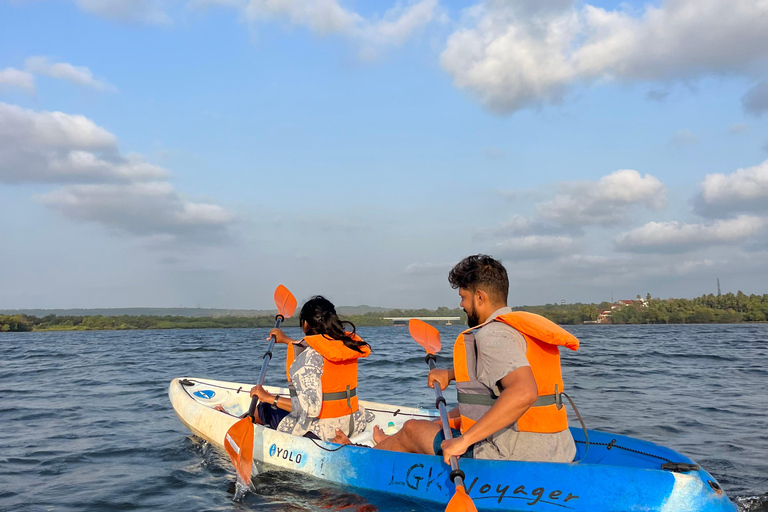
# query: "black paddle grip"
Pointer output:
{"type": "Point", "coordinates": [440, 400]}
{"type": "Point", "coordinates": [455, 473]}
{"type": "Point", "coordinates": [430, 357]}
{"type": "Point", "coordinates": [252, 408]}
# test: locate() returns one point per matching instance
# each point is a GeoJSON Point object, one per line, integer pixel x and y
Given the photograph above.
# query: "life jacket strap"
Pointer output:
{"type": "Point", "coordinates": [487, 400]}
{"type": "Point", "coordinates": [338, 395]}
{"type": "Point", "coordinates": [473, 399]}
{"type": "Point", "coordinates": [545, 400]}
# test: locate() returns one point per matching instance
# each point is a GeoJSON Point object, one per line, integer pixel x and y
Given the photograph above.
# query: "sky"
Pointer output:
{"type": "Point", "coordinates": [166, 153]}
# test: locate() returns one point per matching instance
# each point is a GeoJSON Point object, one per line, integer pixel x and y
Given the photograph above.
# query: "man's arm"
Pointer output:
{"type": "Point", "coordinates": [519, 392]}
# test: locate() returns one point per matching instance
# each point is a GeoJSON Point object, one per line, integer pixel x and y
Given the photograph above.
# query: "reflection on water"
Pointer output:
{"type": "Point", "coordinates": [86, 422]}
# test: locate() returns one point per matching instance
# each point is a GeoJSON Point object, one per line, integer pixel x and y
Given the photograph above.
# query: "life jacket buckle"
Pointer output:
{"type": "Point", "coordinates": [558, 399]}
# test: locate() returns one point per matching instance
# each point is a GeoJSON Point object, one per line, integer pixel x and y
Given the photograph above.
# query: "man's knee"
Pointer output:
{"type": "Point", "coordinates": [412, 428]}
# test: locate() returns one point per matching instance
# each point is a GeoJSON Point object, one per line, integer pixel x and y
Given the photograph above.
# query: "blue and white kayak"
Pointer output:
{"type": "Point", "coordinates": [616, 473]}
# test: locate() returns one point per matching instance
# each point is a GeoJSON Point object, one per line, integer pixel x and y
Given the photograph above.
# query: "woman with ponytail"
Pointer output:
{"type": "Point", "coordinates": [322, 375]}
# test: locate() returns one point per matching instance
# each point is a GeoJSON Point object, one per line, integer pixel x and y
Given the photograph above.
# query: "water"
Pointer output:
{"type": "Point", "coordinates": [85, 422]}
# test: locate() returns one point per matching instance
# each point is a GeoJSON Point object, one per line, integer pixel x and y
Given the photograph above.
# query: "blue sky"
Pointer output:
{"type": "Point", "coordinates": [184, 153]}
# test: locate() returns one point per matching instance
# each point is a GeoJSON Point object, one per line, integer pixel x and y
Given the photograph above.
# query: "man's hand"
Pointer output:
{"type": "Point", "coordinates": [456, 447]}
{"type": "Point", "coordinates": [262, 393]}
{"type": "Point", "coordinates": [442, 377]}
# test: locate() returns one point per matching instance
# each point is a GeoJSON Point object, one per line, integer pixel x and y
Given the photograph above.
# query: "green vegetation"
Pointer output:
{"type": "Point", "coordinates": [727, 308]}
{"type": "Point", "coordinates": [707, 309]}
{"type": "Point", "coordinates": [568, 314]}
{"type": "Point", "coordinates": [19, 323]}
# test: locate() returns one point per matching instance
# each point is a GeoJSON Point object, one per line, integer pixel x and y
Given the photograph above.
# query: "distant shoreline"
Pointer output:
{"type": "Point", "coordinates": [707, 309]}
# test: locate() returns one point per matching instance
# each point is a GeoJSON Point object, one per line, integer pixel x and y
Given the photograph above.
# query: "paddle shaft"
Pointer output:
{"type": "Point", "coordinates": [440, 403]}
{"type": "Point", "coordinates": [263, 373]}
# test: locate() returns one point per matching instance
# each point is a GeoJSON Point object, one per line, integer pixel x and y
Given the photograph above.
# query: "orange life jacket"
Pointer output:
{"type": "Point", "coordinates": [543, 338]}
{"type": "Point", "coordinates": [339, 377]}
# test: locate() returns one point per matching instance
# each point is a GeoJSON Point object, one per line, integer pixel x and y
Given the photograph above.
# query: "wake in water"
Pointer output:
{"type": "Point", "coordinates": [752, 503]}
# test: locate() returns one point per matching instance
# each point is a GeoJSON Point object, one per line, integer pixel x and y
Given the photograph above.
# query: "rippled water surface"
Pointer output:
{"type": "Point", "coordinates": [85, 422]}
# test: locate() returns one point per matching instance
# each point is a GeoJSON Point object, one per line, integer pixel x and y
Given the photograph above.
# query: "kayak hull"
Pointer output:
{"type": "Point", "coordinates": [618, 473]}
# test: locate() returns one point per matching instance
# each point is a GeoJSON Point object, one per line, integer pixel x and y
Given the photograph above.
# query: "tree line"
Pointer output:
{"type": "Point", "coordinates": [21, 323]}
{"type": "Point", "coordinates": [726, 308]}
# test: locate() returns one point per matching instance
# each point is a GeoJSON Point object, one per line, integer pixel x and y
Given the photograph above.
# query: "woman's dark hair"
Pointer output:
{"type": "Point", "coordinates": [481, 272]}
{"type": "Point", "coordinates": [321, 318]}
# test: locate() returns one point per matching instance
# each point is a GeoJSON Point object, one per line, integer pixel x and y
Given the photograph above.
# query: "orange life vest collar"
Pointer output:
{"type": "Point", "coordinates": [535, 326]}
{"type": "Point", "coordinates": [336, 350]}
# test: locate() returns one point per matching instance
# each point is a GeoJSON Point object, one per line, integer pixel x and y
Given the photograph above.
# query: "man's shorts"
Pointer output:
{"type": "Point", "coordinates": [439, 438]}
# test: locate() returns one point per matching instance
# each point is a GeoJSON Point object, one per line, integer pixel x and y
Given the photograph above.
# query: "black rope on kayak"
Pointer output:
{"type": "Point", "coordinates": [398, 412]}
{"type": "Point", "coordinates": [236, 390]}
{"type": "Point", "coordinates": [613, 444]}
{"type": "Point", "coordinates": [340, 446]}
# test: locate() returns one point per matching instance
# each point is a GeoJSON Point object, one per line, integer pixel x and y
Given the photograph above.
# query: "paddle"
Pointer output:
{"type": "Point", "coordinates": [429, 338]}
{"type": "Point", "coordinates": [239, 439]}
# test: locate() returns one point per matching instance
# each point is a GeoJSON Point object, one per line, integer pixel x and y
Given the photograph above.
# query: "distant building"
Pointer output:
{"type": "Point", "coordinates": [604, 317]}
{"type": "Point", "coordinates": [633, 302]}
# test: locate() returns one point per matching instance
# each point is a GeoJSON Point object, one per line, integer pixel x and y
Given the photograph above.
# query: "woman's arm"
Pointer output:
{"type": "Point", "coordinates": [267, 398]}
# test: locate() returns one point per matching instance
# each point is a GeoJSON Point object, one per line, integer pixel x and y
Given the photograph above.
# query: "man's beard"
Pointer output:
{"type": "Point", "coordinates": [472, 319]}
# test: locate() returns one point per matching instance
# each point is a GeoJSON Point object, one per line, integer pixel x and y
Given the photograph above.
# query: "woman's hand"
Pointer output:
{"type": "Point", "coordinates": [262, 393]}
{"type": "Point", "coordinates": [280, 336]}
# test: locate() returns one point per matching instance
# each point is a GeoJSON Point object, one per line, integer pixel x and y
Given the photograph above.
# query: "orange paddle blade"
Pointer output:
{"type": "Point", "coordinates": [425, 335]}
{"type": "Point", "coordinates": [461, 502]}
{"type": "Point", "coordinates": [239, 446]}
{"type": "Point", "coordinates": [285, 301]}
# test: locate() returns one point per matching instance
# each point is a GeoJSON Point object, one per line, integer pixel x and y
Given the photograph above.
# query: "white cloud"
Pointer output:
{"type": "Point", "coordinates": [61, 70]}
{"type": "Point", "coordinates": [743, 190]}
{"type": "Point", "coordinates": [142, 209]}
{"type": "Point", "coordinates": [676, 237]}
{"type": "Point", "coordinates": [738, 129]}
{"type": "Point", "coordinates": [122, 192]}
{"type": "Point", "coordinates": [755, 101]}
{"type": "Point", "coordinates": [603, 202]}
{"type": "Point", "coordinates": [683, 138]}
{"type": "Point", "coordinates": [428, 268]}
{"type": "Point", "coordinates": [534, 247]}
{"type": "Point", "coordinates": [517, 226]}
{"type": "Point", "coordinates": [11, 77]}
{"type": "Point", "coordinates": [328, 17]}
{"type": "Point", "coordinates": [517, 54]}
{"type": "Point", "coordinates": [143, 11]}
{"type": "Point", "coordinates": [400, 22]}
{"type": "Point", "coordinates": [55, 147]}
{"type": "Point", "coordinates": [322, 16]}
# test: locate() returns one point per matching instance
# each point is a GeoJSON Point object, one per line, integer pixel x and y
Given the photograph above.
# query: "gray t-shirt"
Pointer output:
{"type": "Point", "coordinates": [500, 351]}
